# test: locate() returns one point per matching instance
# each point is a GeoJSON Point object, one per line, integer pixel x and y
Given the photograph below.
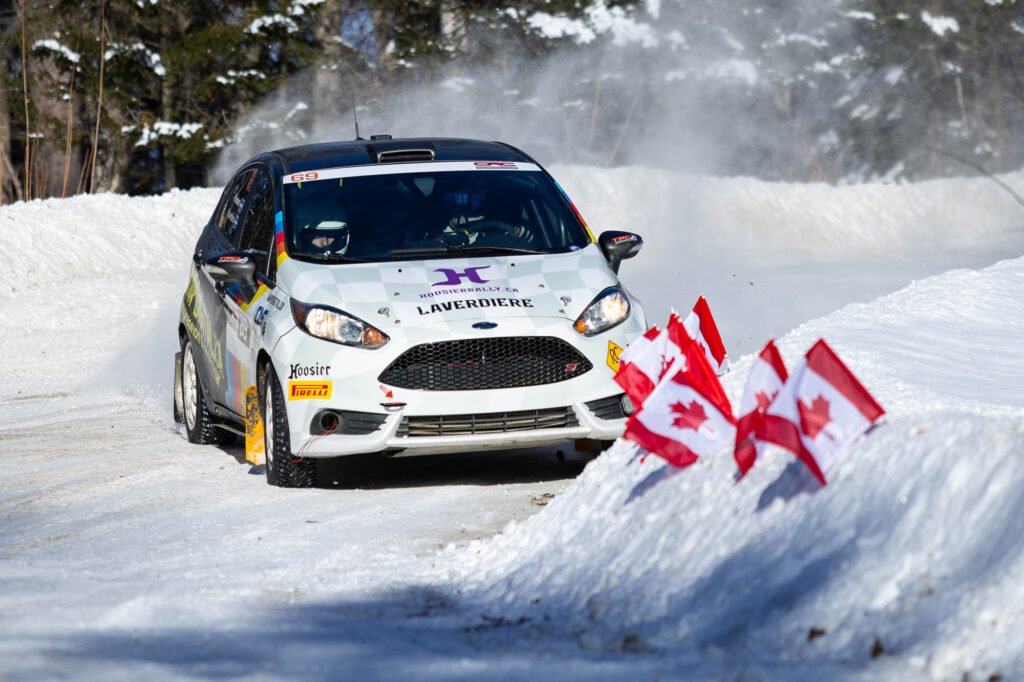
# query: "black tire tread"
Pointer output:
{"type": "Point", "coordinates": [286, 472]}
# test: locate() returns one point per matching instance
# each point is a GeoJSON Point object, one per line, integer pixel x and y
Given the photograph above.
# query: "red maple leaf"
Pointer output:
{"type": "Point", "coordinates": [664, 364]}
{"type": "Point", "coordinates": [815, 417]}
{"type": "Point", "coordinates": [690, 416]}
{"type": "Point", "coordinates": [764, 400]}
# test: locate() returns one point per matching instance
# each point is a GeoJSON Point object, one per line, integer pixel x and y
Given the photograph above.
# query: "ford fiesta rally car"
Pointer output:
{"type": "Point", "coordinates": [402, 297]}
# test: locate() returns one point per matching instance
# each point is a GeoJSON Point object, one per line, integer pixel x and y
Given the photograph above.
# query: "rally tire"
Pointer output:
{"type": "Point", "coordinates": [283, 470]}
{"type": "Point", "coordinates": [177, 411]}
{"type": "Point", "coordinates": [200, 425]}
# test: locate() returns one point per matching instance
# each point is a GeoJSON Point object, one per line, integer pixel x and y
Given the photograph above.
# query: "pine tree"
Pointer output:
{"type": "Point", "coordinates": [176, 76]}
{"type": "Point", "coordinates": [936, 89]}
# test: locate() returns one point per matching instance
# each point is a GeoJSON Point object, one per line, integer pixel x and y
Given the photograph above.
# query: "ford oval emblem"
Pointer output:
{"type": "Point", "coordinates": [484, 325]}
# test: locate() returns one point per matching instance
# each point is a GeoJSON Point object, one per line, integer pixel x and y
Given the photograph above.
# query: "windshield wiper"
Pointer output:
{"type": "Point", "coordinates": [461, 249]}
{"type": "Point", "coordinates": [330, 257]}
{"type": "Point", "coordinates": [500, 249]}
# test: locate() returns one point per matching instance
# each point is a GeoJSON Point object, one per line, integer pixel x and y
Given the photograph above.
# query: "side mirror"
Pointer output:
{"type": "Point", "coordinates": [231, 267]}
{"type": "Point", "coordinates": [617, 246]}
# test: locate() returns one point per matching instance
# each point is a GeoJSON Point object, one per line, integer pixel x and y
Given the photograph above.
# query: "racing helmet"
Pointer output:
{"type": "Point", "coordinates": [328, 236]}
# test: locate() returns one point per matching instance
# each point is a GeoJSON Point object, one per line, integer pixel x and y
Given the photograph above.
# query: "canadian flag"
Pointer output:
{"type": "Point", "coordinates": [700, 326]}
{"type": "Point", "coordinates": [765, 381]}
{"type": "Point", "coordinates": [643, 364]}
{"type": "Point", "coordinates": [821, 410]}
{"type": "Point", "coordinates": [687, 416]}
{"type": "Point", "coordinates": [640, 365]}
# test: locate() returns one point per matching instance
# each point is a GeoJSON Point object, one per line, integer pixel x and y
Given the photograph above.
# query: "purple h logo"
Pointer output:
{"type": "Point", "coordinates": [454, 277]}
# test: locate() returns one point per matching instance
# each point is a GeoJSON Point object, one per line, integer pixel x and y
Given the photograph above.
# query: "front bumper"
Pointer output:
{"type": "Point", "coordinates": [403, 417]}
{"type": "Point", "coordinates": [397, 437]}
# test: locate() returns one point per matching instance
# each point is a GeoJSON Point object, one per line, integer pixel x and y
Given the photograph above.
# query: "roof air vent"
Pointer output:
{"type": "Point", "coordinates": [405, 155]}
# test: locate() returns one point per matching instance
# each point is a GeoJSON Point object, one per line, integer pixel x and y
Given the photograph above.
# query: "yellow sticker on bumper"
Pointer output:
{"type": "Point", "coordinates": [614, 350]}
{"type": "Point", "coordinates": [309, 390]}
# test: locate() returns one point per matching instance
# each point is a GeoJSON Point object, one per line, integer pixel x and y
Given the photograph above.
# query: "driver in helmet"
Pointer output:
{"type": "Point", "coordinates": [327, 237]}
{"type": "Point", "coordinates": [331, 235]}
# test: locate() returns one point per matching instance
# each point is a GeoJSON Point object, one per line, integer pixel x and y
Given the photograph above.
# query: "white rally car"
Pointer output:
{"type": "Point", "coordinates": [402, 297]}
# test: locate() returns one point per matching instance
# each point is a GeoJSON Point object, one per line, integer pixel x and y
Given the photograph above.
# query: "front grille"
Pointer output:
{"type": "Point", "coordinates": [495, 422]}
{"type": "Point", "coordinates": [608, 408]}
{"type": "Point", "coordinates": [474, 364]}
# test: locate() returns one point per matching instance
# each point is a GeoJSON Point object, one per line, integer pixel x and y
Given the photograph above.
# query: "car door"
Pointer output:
{"type": "Point", "coordinates": [211, 318]}
{"type": "Point", "coordinates": [254, 235]}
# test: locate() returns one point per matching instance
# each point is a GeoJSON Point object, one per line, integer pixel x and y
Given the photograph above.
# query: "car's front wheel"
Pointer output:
{"type": "Point", "coordinates": [283, 469]}
{"type": "Point", "coordinates": [199, 423]}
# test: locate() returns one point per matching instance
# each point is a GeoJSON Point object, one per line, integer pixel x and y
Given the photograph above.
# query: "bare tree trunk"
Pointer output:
{"type": "Point", "coordinates": [166, 113]}
{"type": "Point", "coordinates": [99, 98]}
{"type": "Point", "coordinates": [174, 23]}
{"type": "Point", "coordinates": [41, 168]}
{"type": "Point", "coordinates": [24, 84]}
{"type": "Point", "coordinates": [7, 172]}
{"type": "Point", "coordinates": [110, 169]}
{"type": "Point", "coordinates": [1001, 124]}
{"type": "Point", "coordinates": [84, 175]}
{"type": "Point", "coordinates": [68, 131]}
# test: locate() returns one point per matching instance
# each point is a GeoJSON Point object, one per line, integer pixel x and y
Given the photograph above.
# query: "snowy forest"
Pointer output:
{"type": "Point", "coordinates": [141, 96]}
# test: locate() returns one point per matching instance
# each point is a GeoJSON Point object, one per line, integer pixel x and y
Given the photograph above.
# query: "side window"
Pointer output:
{"type": "Point", "coordinates": [230, 216]}
{"type": "Point", "coordinates": [258, 232]}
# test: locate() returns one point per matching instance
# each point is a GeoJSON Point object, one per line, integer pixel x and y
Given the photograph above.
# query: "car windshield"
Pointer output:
{"type": "Point", "coordinates": [435, 213]}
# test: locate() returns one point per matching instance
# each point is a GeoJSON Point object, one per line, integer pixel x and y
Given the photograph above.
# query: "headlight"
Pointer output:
{"type": "Point", "coordinates": [327, 323]}
{"type": "Point", "coordinates": [610, 308]}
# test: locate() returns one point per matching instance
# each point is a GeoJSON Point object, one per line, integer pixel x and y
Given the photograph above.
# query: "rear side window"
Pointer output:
{"type": "Point", "coordinates": [230, 216]}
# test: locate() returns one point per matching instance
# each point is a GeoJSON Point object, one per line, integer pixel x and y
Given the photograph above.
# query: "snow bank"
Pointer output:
{"type": "Point", "coordinates": [909, 564]}
{"type": "Point", "coordinates": [56, 240]}
{"type": "Point", "coordinates": [793, 222]}
{"type": "Point", "coordinates": [773, 255]}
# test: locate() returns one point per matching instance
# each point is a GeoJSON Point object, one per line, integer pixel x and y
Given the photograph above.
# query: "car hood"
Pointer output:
{"type": "Point", "coordinates": [437, 291]}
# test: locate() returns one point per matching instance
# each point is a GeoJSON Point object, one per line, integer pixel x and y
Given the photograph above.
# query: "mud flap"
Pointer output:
{"type": "Point", "coordinates": [179, 412]}
{"type": "Point", "coordinates": [253, 428]}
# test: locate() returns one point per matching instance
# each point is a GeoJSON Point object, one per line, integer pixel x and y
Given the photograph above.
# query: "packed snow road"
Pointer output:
{"type": "Point", "coordinates": [112, 522]}
{"type": "Point", "coordinates": [127, 553]}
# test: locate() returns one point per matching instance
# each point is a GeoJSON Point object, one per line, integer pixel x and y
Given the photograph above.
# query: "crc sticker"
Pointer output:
{"type": "Point", "coordinates": [614, 351]}
{"type": "Point", "coordinates": [498, 165]}
{"type": "Point", "coordinates": [309, 390]}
